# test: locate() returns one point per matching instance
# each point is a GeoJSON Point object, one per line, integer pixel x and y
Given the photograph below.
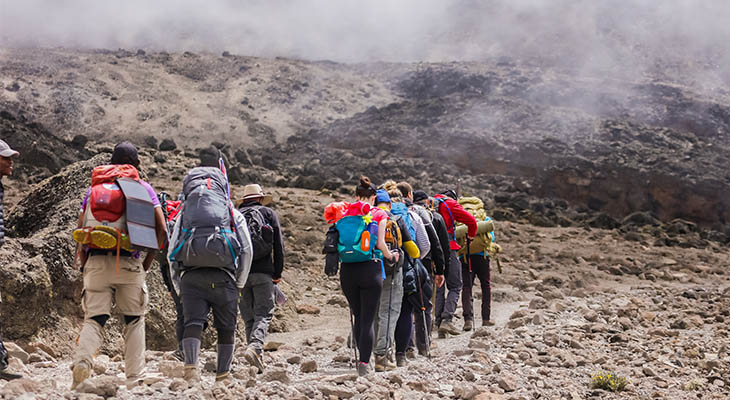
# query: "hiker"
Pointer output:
{"type": "Point", "coordinates": [433, 263]}
{"type": "Point", "coordinates": [452, 212]}
{"type": "Point", "coordinates": [170, 209]}
{"type": "Point", "coordinates": [210, 250]}
{"type": "Point", "coordinates": [476, 266]}
{"type": "Point", "coordinates": [413, 272]}
{"type": "Point", "coordinates": [391, 297]}
{"type": "Point", "coordinates": [361, 275]}
{"type": "Point", "coordinates": [6, 169]}
{"type": "Point", "coordinates": [113, 276]}
{"type": "Point", "coordinates": [257, 297]}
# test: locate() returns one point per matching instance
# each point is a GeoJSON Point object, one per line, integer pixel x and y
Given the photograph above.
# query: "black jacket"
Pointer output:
{"type": "Point", "coordinates": [439, 225]}
{"type": "Point", "coordinates": [436, 255]}
{"type": "Point", "coordinates": [274, 264]}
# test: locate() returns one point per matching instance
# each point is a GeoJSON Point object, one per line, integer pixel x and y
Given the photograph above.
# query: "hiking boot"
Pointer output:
{"type": "Point", "coordinates": [9, 376]}
{"type": "Point", "coordinates": [448, 327]}
{"type": "Point", "coordinates": [179, 355]}
{"type": "Point", "coordinates": [254, 358]}
{"type": "Point", "coordinates": [363, 368]}
{"type": "Point", "coordinates": [400, 359]}
{"type": "Point", "coordinates": [191, 374]}
{"type": "Point", "coordinates": [488, 323]}
{"type": "Point", "coordinates": [411, 353]}
{"type": "Point", "coordinates": [81, 371]}
{"type": "Point", "coordinates": [468, 325]}
{"type": "Point", "coordinates": [224, 377]}
{"type": "Point", "coordinates": [423, 352]}
{"type": "Point", "coordinates": [382, 364]}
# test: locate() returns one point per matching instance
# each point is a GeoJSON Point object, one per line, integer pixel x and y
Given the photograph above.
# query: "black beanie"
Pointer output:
{"type": "Point", "coordinates": [125, 153]}
{"type": "Point", "coordinates": [419, 195]}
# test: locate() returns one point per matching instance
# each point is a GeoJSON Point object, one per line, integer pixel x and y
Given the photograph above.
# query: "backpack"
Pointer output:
{"type": "Point", "coordinates": [357, 238]}
{"type": "Point", "coordinates": [207, 235]}
{"type": "Point", "coordinates": [262, 234]}
{"type": "Point", "coordinates": [483, 241]}
{"type": "Point", "coordinates": [401, 210]}
{"type": "Point", "coordinates": [105, 211]}
{"type": "Point", "coordinates": [394, 240]}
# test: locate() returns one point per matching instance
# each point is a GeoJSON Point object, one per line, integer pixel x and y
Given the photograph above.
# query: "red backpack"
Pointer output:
{"type": "Point", "coordinates": [106, 200]}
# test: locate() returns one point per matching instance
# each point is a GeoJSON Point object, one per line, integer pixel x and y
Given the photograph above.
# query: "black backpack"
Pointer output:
{"type": "Point", "coordinates": [262, 234]}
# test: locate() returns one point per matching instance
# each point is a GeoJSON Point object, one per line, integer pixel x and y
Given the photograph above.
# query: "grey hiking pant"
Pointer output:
{"type": "Point", "coordinates": [446, 304]}
{"type": "Point", "coordinates": [387, 317]}
{"type": "Point", "coordinates": [257, 307]}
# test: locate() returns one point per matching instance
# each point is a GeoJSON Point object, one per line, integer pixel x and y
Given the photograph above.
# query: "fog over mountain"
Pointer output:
{"type": "Point", "coordinates": [627, 35]}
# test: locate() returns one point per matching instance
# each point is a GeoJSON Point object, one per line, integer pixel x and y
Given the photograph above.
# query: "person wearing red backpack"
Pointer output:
{"type": "Point", "coordinates": [6, 168]}
{"type": "Point", "coordinates": [113, 273]}
{"type": "Point", "coordinates": [452, 212]}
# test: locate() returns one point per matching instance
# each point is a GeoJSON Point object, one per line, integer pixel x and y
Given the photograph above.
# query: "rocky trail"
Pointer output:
{"type": "Point", "coordinates": [570, 303]}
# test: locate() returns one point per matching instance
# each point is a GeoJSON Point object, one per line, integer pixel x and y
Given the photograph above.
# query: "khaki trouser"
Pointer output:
{"type": "Point", "coordinates": [128, 290]}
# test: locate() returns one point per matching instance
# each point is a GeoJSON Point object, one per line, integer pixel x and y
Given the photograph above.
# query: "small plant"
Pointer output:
{"type": "Point", "coordinates": [694, 384]}
{"type": "Point", "coordinates": [609, 381]}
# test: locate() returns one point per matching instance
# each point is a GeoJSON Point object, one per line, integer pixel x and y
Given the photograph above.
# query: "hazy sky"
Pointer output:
{"type": "Point", "coordinates": [583, 33]}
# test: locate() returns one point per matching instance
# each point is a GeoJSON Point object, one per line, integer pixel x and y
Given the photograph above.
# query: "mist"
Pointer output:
{"type": "Point", "coordinates": [630, 35]}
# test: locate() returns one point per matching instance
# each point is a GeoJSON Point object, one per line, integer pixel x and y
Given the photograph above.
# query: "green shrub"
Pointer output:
{"type": "Point", "coordinates": [609, 381]}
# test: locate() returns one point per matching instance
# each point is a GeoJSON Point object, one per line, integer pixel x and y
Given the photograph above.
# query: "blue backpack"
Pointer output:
{"type": "Point", "coordinates": [358, 236]}
{"type": "Point", "coordinates": [401, 210]}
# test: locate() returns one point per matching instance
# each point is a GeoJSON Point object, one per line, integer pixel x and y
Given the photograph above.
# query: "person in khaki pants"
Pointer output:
{"type": "Point", "coordinates": [107, 280]}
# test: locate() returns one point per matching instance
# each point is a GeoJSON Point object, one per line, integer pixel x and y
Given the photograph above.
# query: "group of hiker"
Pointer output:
{"type": "Point", "coordinates": [392, 246]}
{"type": "Point", "coordinates": [220, 257]}
{"type": "Point", "coordinates": [402, 256]}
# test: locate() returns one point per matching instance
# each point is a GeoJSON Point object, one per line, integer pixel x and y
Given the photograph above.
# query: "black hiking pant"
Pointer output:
{"type": "Point", "coordinates": [361, 283]}
{"type": "Point", "coordinates": [479, 269]}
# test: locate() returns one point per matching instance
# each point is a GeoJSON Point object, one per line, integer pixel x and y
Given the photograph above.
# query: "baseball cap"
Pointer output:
{"type": "Point", "coordinates": [6, 151]}
{"type": "Point", "coordinates": [381, 196]}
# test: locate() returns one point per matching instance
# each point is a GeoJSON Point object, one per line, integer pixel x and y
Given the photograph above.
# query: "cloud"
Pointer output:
{"type": "Point", "coordinates": [581, 34]}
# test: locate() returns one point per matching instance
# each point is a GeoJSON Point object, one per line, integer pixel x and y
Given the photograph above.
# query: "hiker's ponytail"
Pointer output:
{"type": "Point", "coordinates": [392, 189]}
{"type": "Point", "coordinates": [366, 188]}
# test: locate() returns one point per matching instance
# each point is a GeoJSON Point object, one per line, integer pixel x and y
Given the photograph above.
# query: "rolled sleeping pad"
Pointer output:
{"type": "Point", "coordinates": [482, 227]}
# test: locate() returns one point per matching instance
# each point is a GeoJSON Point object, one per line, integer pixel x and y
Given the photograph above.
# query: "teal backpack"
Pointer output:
{"type": "Point", "coordinates": [358, 236]}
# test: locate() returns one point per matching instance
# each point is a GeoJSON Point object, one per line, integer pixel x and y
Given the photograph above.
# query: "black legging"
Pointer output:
{"type": "Point", "coordinates": [404, 326]}
{"type": "Point", "coordinates": [361, 284]}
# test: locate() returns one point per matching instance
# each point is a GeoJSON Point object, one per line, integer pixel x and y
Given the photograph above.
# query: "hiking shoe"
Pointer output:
{"type": "Point", "coordinates": [411, 353]}
{"type": "Point", "coordinates": [254, 358]}
{"type": "Point", "coordinates": [126, 244]}
{"type": "Point", "coordinates": [400, 359]}
{"type": "Point", "coordinates": [442, 335]}
{"type": "Point", "coordinates": [468, 325]}
{"type": "Point", "coordinates": [81, 371]}
{"type": "Point", "coordinates": [9, 376]}
{"type": "Point", "coordinates": [488, 323]}
{"type": "Point", "coordinates": [178, 354]}
{"type": "Point", "coordinates": [224, 377]}
{"type": "Point", "coordinates": [191, 374]}
{"type": "Point", "coordinates": [423, 352]}
{"type": "Point", "coordinates": [363, 368]}
{"type": "Point", "coordinates": [382, 364]}
{"type": "Point", "coordinates": [448, 327]}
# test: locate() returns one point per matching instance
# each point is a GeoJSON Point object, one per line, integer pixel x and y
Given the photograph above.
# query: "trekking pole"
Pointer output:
{"type": "Point", "coordinates": [423, 315]}
{"type": "Point", "coordinates": [387, 326]}
{"type": "Point", "coordinates": [353, 340]}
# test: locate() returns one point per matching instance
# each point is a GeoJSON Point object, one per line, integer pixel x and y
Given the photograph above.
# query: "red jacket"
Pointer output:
{"type": "Point", "coordinates": [451, 211]}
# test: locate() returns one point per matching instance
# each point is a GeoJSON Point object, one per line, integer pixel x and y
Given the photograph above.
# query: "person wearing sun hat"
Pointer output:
{"type": "Point", "coordinates": [6, 168]}
{"type": "Point", "coordinates": [257, 297]}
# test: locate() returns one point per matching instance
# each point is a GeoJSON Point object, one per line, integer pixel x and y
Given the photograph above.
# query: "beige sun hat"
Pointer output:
{"type": "Point", "coordinates": [254, 191]}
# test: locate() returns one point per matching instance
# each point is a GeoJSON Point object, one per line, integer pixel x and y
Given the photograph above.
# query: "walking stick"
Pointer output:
{"type": "Point", "coordinates": [352, 336]}
{"type": "Point", "coordinates": [423, 315]}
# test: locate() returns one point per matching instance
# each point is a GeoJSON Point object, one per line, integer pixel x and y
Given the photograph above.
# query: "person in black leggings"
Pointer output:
{"type": "Point", "coordinates": [362, 282]}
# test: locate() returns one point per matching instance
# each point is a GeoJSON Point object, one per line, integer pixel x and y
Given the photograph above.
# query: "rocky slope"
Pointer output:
{"type": "Point", "coordinates": [510, 130]}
